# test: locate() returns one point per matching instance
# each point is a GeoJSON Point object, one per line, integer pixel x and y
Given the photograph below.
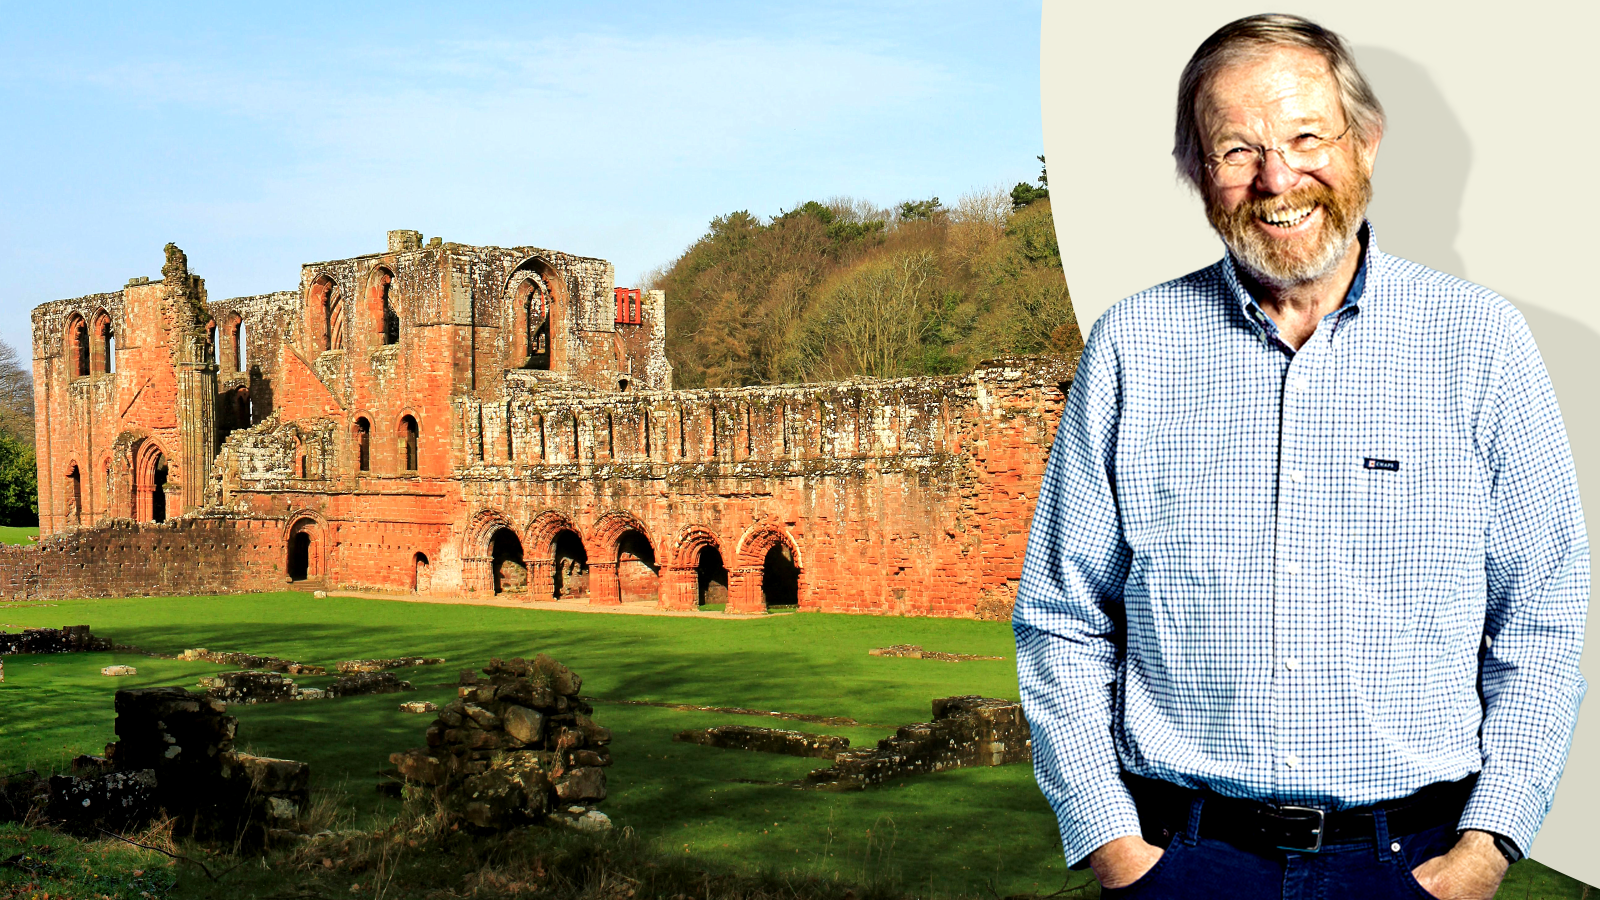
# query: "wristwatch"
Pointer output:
{"type": "Point", "coordinates": [1506, 846]}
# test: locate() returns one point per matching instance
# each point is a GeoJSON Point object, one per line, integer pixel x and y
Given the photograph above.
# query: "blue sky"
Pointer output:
{"type": "Point", "coordinates": [262, 136]}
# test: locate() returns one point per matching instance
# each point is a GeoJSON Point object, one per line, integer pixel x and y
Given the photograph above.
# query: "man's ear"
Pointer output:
{"type": "Point", "coordinates": [1367, 151]}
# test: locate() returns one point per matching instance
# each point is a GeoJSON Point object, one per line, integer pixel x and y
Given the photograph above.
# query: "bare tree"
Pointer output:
{"type": "Point", "coordinates": [16, 396]}
{"type": "Point", "coordinates": [878, 316]}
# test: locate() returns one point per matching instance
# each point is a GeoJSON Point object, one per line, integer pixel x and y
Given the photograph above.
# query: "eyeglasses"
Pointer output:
{"type": "Point", "coordinates": [1238, 166]}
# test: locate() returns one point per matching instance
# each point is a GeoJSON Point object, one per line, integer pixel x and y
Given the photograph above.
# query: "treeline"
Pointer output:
{"type": "Point", "coordinates": [830, 290]}
{"type": "Point", "coordinates": [19, 488]}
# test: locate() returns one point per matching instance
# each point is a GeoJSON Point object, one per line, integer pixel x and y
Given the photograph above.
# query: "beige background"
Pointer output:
{"type": "Point", "coordinates": [1486, 172]}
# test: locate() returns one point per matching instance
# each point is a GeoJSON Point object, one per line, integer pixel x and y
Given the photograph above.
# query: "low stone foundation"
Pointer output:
{"type": "Point", "coordinates": [965, 731]}
{"type": "Point", "coordinates": [271, 687]}
{"type": "Point", "coordinates": [70, 639]}
{"type": "Point", "coordinates": [352, 666]}
{"type": "Point", "coordinates": [174, 753]}
{"type": "Point", "coordinates": [766, 740]}
{"type": "Point", "coordinates": [251, 661]}
{"type": "Point", "coordinates": [514, 747]}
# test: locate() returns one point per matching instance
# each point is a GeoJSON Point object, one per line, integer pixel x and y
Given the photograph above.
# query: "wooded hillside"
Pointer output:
{"type": "Point", "coordinates": [832, 290]}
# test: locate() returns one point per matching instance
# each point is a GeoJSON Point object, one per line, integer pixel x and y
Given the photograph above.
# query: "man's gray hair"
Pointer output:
{"type": "Point", "coordinates": [1250, 36]}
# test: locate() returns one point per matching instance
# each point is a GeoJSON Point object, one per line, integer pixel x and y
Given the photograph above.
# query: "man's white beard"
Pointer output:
{"type": "Point", "coordinates": [1282, 264]}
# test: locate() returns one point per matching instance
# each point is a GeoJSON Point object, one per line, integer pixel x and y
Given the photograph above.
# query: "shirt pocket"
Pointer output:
{"type": "Point", "coordinates": [1415, 528]}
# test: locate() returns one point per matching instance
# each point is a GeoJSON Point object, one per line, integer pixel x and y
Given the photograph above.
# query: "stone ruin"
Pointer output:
{"type": "Point", "coordinates": [354, 666]}
{"type": "Point", "coordinates": [515, 747]}
{"type": "Point", "coordinates": [913, 651]}
{"type": "Point", "coordinates": [69, 639]}
{"type": "Point", "coordinates": [252, 661]}
{"type": "Point", "coordinates": [271, 687]}
{"type": "Point", "coordinates": [766, 740]}
{"type": "Point", "coordinates": [174, 753]}
{"type": "Point", "coordinates": [965, 731]}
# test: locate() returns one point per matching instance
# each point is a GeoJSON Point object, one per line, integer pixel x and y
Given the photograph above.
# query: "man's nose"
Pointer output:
{"type": "Point", "coordinates": [1275, 176]}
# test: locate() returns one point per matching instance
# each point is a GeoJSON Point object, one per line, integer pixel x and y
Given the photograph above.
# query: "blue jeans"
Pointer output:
{"type": "Point", "coordinates": [1196, 868]}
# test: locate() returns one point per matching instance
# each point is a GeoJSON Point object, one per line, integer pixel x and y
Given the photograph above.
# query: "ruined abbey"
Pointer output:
{"type": "Point", "coordinates": [463, 421]}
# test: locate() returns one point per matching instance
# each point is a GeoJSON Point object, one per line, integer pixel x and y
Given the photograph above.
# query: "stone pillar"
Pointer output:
{"type": "Point", "coordinates": [680, 588]}
{"type": "Point", "coordinates": [604, 589]}
{"type": "Point", "coordinates": [744, 590]}
{"type": "Point", "coordinates": [183, 307]}
{"type": "Point", "coordinates": [477, 574]}
{"type": "Point", "coordinates": [541, 580]}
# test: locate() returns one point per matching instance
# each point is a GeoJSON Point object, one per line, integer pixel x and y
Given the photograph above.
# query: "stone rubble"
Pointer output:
{"type": "Point", "coordinates": [271, 687]}
{"type": "Point", "coordinates": [175, 754]}
{"type": "Point", "coordinates": [251, 661]}
{"type": "Point", "coordinates": [352, 666]}
{"type": "Point", "coordinates": [69, 639]}
{"type": "Point", "coordinates": [419, 706]}
{"type": "Point", "coordinates": [514, 747]}
{"type": "Point", "coordinates": [912, 651]}
{"type": "Point", "coordinates": [117, 671]}
{"type": "Point", "coordinates": [965, 731]}
{"type": "Point", "coordinates": [766, 740]}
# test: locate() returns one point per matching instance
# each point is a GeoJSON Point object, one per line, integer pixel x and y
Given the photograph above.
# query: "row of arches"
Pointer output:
{"type": "Point", "coordinates": [89, 348]}
{"type": "Point", "coordinates": [618, 560]}
{"type": "Point", "coordinates": [148, 474]}
{"type": "Point", "coordinates": [408, 443]}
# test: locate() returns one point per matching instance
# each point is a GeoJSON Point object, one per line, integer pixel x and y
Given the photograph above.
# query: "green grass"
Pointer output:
{"type": "Point", "coordinates": [967, 831]}
{"type": "Point", "coordinates": [18, 534]}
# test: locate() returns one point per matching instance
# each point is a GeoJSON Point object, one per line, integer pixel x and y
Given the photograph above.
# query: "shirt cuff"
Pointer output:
{"type": "Point", "coordinates": [1506, 806]}
{"type": "Point", "coordinates": [1092, 816]}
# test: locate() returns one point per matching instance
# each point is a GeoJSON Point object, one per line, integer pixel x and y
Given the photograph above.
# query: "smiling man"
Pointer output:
{"type": "Point", "coordinates": [1305, 589]}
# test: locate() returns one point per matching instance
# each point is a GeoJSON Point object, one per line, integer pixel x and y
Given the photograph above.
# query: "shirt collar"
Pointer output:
{"type": "Point", "coordinates": [1352, 297]}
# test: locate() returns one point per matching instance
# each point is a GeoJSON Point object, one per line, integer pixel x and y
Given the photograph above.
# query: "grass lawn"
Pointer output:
{"type": "Point", "coordinates": [18, 534]}
{"type": "Point", "coordinates": [966, 832]}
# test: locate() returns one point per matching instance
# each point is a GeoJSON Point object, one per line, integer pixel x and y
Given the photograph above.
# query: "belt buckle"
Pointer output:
{"type": "Point", "coordinates": [1305, 814]}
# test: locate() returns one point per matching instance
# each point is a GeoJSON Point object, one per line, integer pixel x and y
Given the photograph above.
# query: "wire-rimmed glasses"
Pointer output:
{"type": "Point", "coordinates": [1238, 166]}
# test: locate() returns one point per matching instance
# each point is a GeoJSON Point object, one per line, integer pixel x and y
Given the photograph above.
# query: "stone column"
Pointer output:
{"type": "Point", "coordinates": [184, 309]}
{"type": "Point", "coordinates": [604, 590]}
{"type": "Point", "coordinates": [680, 588]}
{"type": "Point", "coordinates": [744, 590]}
{"type": "Point", "coordinates": [477, 574]}
{"type": "Point", "coordinates": [541, 580]}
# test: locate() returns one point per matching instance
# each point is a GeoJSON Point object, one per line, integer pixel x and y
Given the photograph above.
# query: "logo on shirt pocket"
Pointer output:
{"type": "Point", "coordinates": [1382, 465]}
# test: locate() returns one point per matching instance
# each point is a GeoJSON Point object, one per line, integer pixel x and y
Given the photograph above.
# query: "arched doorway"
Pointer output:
{"type": "Point", "coordinates": [505, 554]}
{"type": "Point", "coordinates": [638, 576]}
{"type": "Point", "coordinates": [571, 571]}
{"type": "Point", "coordinates": [421, 580]}
{"type": "Point", "coordinates": [299, 556]}
{"type": "Point", "coordinates": [158, 493]}
{"type": "Point", "coordinates": [780, 579]}
{"type": "Point", "coordinates": [711, 578]}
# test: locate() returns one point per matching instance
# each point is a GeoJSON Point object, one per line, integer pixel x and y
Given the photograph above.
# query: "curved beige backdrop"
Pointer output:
{"type": "Point", "coordinates": [1485, 172]}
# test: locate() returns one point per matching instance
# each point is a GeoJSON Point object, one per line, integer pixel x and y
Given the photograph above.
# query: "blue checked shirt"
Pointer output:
{"type": "Point", "coordinates": [1281, 575]}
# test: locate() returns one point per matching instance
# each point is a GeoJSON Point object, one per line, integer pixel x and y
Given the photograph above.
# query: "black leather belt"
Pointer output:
{"type": "Point", "coordinates": [1164, 811]}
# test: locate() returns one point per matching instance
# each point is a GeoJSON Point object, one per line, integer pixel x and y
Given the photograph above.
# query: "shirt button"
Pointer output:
{"type": "Point", "coordinates": [1300, 382]}
{"type": "Point", "coordinates": [1297, 477]}
{"type": "Point", "coordinates": [1291, 664]}
{"type": "Point", "coordinates": [1293, 761]}
{"type": "Point", "coordinates": [1293, 568]}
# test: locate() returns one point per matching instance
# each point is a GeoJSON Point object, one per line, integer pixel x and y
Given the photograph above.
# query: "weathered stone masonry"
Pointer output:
{"type": "Point", "coordinates": [451, 419]}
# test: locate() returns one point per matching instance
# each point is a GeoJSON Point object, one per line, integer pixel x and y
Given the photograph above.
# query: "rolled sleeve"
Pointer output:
{"type": "Point", "coordinates": [1068, 615]}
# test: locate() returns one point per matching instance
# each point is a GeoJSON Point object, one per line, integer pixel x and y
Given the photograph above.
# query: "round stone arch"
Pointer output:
{"type": "Point", "coordinates": [683, 578]}
{"type": "Point", "coordinates": [626, 568]}
{"type": "Point", "coordinates": [558, 558]}
{"type": "Point", "coordinates": [478, 573]}
{"type": "Point", "coordinates": [767, 570]}
{"type": "Point", "coordinates": [305, 547]}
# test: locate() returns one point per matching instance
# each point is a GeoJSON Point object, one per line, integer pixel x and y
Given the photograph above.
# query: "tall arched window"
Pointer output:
{"type": "Point", "coordinates": [363, 445]}
{"type": "Point", "coordinates": [102, 346]}
{"type": "Point", "coordinates": [77, 347]}
{"type": "Point", "coordinates": [408, 443]}
{"type": "Point", "coordinates": [325, 315]}
{"type": "Point", "coordinates": [241, 355]}
{"type": "Point", "coordinates": [381, 306]}
{"type": "Point", "coordinates": [74, 508]}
